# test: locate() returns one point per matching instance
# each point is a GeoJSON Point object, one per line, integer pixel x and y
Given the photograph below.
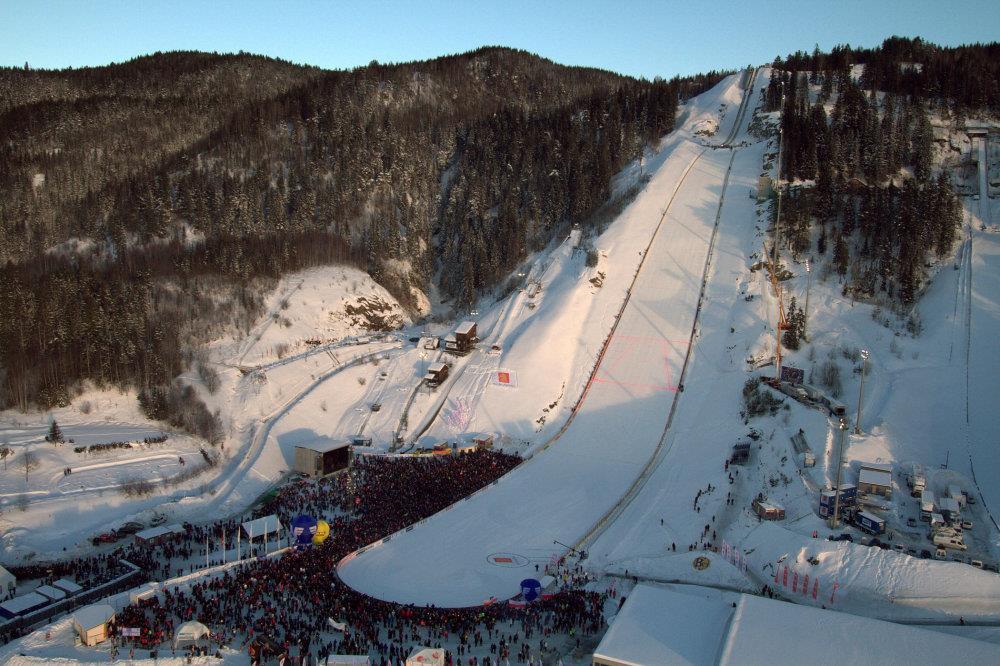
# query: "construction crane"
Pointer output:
{"type": "Point", "coordinates": [782, 320]}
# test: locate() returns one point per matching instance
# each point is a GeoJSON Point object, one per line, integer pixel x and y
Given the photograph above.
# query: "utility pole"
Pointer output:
{"type": "Point", "coordinates": [861, 390]}
{"type": "Point", "coordinates": [835, 518]}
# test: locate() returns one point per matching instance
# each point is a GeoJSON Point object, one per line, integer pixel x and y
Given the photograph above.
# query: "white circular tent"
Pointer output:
{"type": "Point", "coordinates": [190, 632]}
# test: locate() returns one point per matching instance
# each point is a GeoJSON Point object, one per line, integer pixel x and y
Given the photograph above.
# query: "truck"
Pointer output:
{"type": "Point", "coordinates": [926, 505]}
{"type": "Point", "coordinates": [945, 541]}
{"type": "Point", "coordinates": [916, 480]}
{"type": "Point", "coordinates": [869, 523]}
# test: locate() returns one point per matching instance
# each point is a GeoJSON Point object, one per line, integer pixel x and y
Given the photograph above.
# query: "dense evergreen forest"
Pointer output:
{"type": "Point", "coordinates": [152, 202]}
{"type": "Point", "coordinates": [865, 172]}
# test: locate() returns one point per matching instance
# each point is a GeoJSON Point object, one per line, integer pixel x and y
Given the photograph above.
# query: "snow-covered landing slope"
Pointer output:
{"type": "Point", "coordinates": [483, 546]}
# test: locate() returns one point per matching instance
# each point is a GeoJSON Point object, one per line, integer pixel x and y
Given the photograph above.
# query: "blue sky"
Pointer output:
{"type": "Point", "coordinates": [637, 38]}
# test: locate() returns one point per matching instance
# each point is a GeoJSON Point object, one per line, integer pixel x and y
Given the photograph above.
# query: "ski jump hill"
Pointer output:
{"type": "Point", "coordinates": [482, 547]}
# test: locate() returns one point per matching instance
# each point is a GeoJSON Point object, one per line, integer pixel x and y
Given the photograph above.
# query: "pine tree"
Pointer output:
{"type": "Point", "coordinates": [841, 255]}
{"type": "Point", "coordinates": [795, 319]}
{"type": "Point", "coordinates": [55, 435]}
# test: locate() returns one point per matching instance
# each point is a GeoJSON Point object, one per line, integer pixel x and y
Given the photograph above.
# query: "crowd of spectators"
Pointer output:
{"type": "Point", "coordinates": [291, 600]}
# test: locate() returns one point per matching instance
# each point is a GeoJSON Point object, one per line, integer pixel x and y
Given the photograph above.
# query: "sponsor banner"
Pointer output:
{"type": "Point", "coordinates": [505, 378]}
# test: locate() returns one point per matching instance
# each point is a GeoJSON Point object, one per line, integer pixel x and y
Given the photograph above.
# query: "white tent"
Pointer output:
{"type": "Point", "coordinates": [190, 632]}
{"type": "Point", "coordinates": [91, 622]}
{"type": "Point", "coordinates": [144, 591]}
{"type": "Point", "coordinates": [7, 584]}
{"type": "Point", "coordinates": [425, 656]}
{"type": "Point", "coordinates": [258, 527]}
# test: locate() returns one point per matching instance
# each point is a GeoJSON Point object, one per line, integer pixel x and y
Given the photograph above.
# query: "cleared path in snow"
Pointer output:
{"type": "Point", "coordinates": [483, 546]}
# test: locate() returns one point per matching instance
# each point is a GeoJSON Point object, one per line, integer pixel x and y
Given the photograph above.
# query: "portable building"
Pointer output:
{"type": "Point", "coordinates": [68, 586]}
{"type": "Point", "coordinates": [22, 605]}
{"type": "Point", "coordinates": [91, 623]}
{"type": "Point", "coordinates": [161, 533]}
{"type": "Point", "coordinates": [949, 508]}
{"type": "Point", "coordinates": [927, 505]}
{"type": "Point", "coordinates": [956, 494]}
{"type": "Point", "coordinates": [8, 584]}
{"type": "Point", "coordinates": [322, 457]}
{"type": "Point", "coordinates": [51, 593]}
{"type": "Point", "coordinates": [875, 481]}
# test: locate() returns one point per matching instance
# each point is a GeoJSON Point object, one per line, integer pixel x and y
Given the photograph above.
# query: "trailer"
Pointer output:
{"type": "Point", "coordinates": [927, 502]}
{"type": "Point", "coordinates": [956, 494]}
{"type": "Point", "coordinates": [916, 480]}
{"type": "Point", "coordinates": [869, 523]}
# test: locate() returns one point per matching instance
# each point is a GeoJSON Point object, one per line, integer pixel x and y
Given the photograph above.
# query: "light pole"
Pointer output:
{"type": "Point", "coordinates": [861, 390]}
{"type": "Point", "coordinates": [835, 518]}
{"type": "Point", "coordinates": [805, 315]}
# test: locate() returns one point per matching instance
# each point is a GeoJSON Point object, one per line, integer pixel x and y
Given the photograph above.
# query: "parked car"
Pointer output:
{"type": "Point", "coordinates": [130, 528]}
{"type": "Point", "coordinates": [910, 522]}
{"type": "Point", "coordinates": [977, 563]}
{"type": "Point", "coordinates": [940, 554]}
{"type": "Point", "coordinates": [841, 537]}
{"type": "Point", "coordinates": [926, 554]}
{"type": "Point", "coordinates": [966, 524]}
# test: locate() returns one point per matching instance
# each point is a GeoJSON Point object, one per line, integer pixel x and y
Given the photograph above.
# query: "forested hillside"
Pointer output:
{"type": "Point", "coordinates": [862, 149]}
{"type": "Point", "coordinates": [149, 202]}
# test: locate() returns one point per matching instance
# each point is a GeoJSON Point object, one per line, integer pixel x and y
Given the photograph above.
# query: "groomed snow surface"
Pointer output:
{"type": "Point", "coordinates": [483, 546]}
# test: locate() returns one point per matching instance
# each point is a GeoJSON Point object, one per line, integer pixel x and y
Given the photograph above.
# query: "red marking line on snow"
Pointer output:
{"type": "Point", "coordinates": [623, 347]}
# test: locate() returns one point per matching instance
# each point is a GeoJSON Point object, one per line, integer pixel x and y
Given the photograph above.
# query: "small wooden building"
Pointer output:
{"type": "Point", "coordinates": [436, 373]}
{"type": "Point", "coordinates": [321, 457]}
{"type": "Point", "coordinates": [741, 453]}
{"type": "Point", "coordinates": [91, 623]}
{"type": "Point", "coordinates": [768, 510]}
{"type": "Point", "coordinates": [463, 339]}
{"type": "Point", "coordinates": [875, 479]}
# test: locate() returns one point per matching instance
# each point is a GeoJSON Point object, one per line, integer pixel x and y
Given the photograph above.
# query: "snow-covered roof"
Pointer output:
{"type": "Point", "coordinates": [701, 626]}
{"type": "Point", "coordinates": [24, 602]}
{"type": "Point", "coordinates": [49, 592]}
{"type": "Point", "coordinates": [877, 466]}
{"type": "Point", "coordinates": [435, 367]}
{"type": "Point", "coordinates": [93, 615]}
{"type": "Point", "coordinates": [948, 504]}
{"type": "Point", "coordinates": [6, 576]}
{"type": "Point", "coordinates": [465, 328]}
{"type": "Point", "coordinates": [162, 530]}
{"type": "Point", "coordinates": [875, 477]}
{"type": "Point", "coordinates": [261, 526]}
{"type": "Point", "coordinates": [67, 585]}
{"type": "Point", "coordinates": [766, 631]}
{"type": "Point", "coordinates": [323, 444]}
{"type": "Point", "coordinates": [660, 626]}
